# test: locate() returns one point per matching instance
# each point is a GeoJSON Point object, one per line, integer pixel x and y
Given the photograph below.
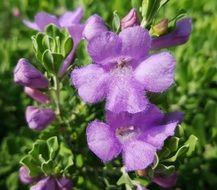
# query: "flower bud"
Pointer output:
{"type": "Point", "coordinates": [131, 19]}
{"type": "Point", "coordinates": [39, 118]}
{"type": "Point", "coordinates": [46, 183]}
{"type": "Point", "coordinates": [26, 74]}
{"type": "Point", "coordinates": [178, 36]}
{"type": "Point", "coordinates": [166, 181]}
{"type": "Point", "coordinates": [64, 183]}
{"type": "Point", "coordinates": [93, 27]}
{"type": "Point", "coordinates": [37, 95]}
{"type": "Point", "coordinates": [160, 28]}
{"type": "Point", "coordinates": [24, 176]}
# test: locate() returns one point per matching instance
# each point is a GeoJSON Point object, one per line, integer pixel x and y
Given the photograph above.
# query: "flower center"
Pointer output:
{"type": "Point", "coordinates": [124, 133]}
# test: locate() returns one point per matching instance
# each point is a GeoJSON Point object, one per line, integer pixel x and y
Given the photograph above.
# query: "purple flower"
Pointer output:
{"type": "Point", "coordinates": [166, 181]}
{"type": "Point", "coordinates": [137, 136]}
{"type": "Point", "coordinates": [25, 177]}
{"type": "Point", "coordinates": [131, 19]}
{"type": "Point", "coordinates": [94, 26]}
{"type": "Point", "coordinates": [123, 70]}
{"type": "Point", "coordinates": [26, 74]}
{"type": "Point", "coordinates": [37, 95]}
{"type": "Point", "coordinates": [177, 37]}
{"type": "Point", "coordinates": [139, 187]}
{"type": "Point", "coordinates": [50, 183]}
{"type": "Point", "coordinates": [39, 118]}
{"type": "Point", "coordinates": [69, 20]}
{"type": "Point", "coordinates": [42, 19]}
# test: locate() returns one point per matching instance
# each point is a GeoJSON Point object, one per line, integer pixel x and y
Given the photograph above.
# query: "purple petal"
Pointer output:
{"type": "Point", "coordinates": [131, 19]}
{"type": "Point", "coordinates": [64, 183]}
{"type": "Point", "coordinates": [139, 187]}
{"type": "Point", "coordinates": [90, 82]}
{"type": "Point", "coordinates": [71, 17]}
{"type": "Point", "coordinates": [136, 42]}
{"type": "Point", "coordinates": [177, 37]}
{"type": "Point", "coordinates": [37, 95]}
{"type": "Point", "coordinates": [156, 135]}
{"type": "Point", "coordinates": [25, 177]}
{"type": "Point", "coordinates": [138, 155]}
{"type": "Point", "coordinates": [157, 72]}
{"type": "Point", "coordinates": [102, 141]}
{"type": "Point", "coordinates": [75, 31]}
{"type": "Point", "coordinates": [116, 120]}
{"type": "Point", "coordinates": [93, 27]}
{"type": "Point", "coordinates": [31, 25]}
{"type": "Point", "coordinates": [46, 183]}
{"type": "Point", "coordinates": [125, 93]}
{"type": "Point", "coordinates": [27, 75]}
{"type": "Point", "coordinates": [166, 181]}
{"type": "Point", "coordinates": [42, 19]}
{"type": "Point", "coordinates": [104, 47]}
{"type": "Point", "coordinates": [39, 118]}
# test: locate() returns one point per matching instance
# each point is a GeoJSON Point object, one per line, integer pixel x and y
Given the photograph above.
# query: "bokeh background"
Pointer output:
{"type": "Point", "coordinates": [195, 91]}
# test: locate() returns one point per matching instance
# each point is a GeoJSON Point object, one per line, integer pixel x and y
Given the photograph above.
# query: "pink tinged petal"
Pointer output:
{"type": "Point", "coordinates": [102, 141]}
{"type": "Point", "coordinates": [136, 42]}
{"type": "Point", "coordinates": [124, 93]}
{"type": "Point", "coordinates": [104, 47]}
{"type": "Point", "coordinates": [37, 95]}
{"type": "Point", "coordinates": [64, 183]}
{"type": "Point", "coordinates": [75, 31]}
{"type": "Point", "coordinates": [131, 19]}
{"type": "Point", "coordinates": [156, 135]}
{"type": "Point", "coordinates": [93, 27]}
{"type": "Point", "coordinates": [90, 82]}
{"type": "Point", "coordinates": [26, 74]}
{"type": "Point", "coordinates": [42, 19]}
{"type": "Point", "coordinates": [177, 37]}
{"type": "Point", "coordinates": [71, 17]}
{"type": "Point", "coordinates": [139, 187]}
{"type": "Point", "coordinates": [39, 118]}
{"type": "Point", "coordinates": [25, 177]}
{"type": "Point", "coordinates": [157, 72]}
{"type": "Point", "coordinates": [31, 25]}
{"type": "Point", "coordinates": [46, 183]}
{"type": "Point", "coordinates": [166, 181]}
{"type": "Point", "coordinates": [138, 155]}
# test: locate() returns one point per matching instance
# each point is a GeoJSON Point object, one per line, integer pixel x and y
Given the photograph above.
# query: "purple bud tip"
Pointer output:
{"type": "Point", "coordinates": [37, 95]}
{"type": "Point", "coordinates": [64, 183]}
{"type": "Point", "coordinates": [26, 74]}
{"type": "Point", "coordinates": [39, 118]}
{"type": "Point", "coordinates": [131, 19]}
{"type": "Point", "coordinates": [166, 181]}
{"type": "Point", "coordinates": [94, 26]}
{"type": "Point", "coordinates": [24, 176]}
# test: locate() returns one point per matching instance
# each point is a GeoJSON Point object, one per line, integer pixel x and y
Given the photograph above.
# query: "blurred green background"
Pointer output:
{"type": "Point", "coordinates": [195, 91]}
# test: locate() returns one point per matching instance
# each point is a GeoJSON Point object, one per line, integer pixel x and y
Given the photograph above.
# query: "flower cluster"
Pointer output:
{"type": "Point", "coordinates": [32, 79]}
{"type": "Point", "coordinates": [123, 71]}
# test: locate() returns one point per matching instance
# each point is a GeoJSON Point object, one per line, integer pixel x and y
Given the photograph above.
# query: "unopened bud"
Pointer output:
{"type": "Point", "coordinates": [160, 28]}
{"type": "Point", "coordinates": [131, 19]}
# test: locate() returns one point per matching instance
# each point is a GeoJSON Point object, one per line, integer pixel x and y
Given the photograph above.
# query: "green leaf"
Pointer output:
{"type": "Point", "coordinates": [79, 161]}
{"type": "Point", "coordinates": [172, 144]}
{"type": "Point", "coordinates": [191, 142]}
{"type": "Point", "coordinates": [166, 170]}
{"type": "Point", "coordinates": [182, 150]}
{"type": "Point", "coordinates": [67, 46]}
{"type": "Point", "coordinates": [164, 153]}
{"type": "Point", "coordinates": [47, 61]}
{"type": "Point", "coordinates": [53, 147]}
{"type": "Point", "coordinates": [116, 22]}
{"type": "Point", "coordinates": [12, 181]}
{"type": "Point", "coordinates": [149, 10]}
